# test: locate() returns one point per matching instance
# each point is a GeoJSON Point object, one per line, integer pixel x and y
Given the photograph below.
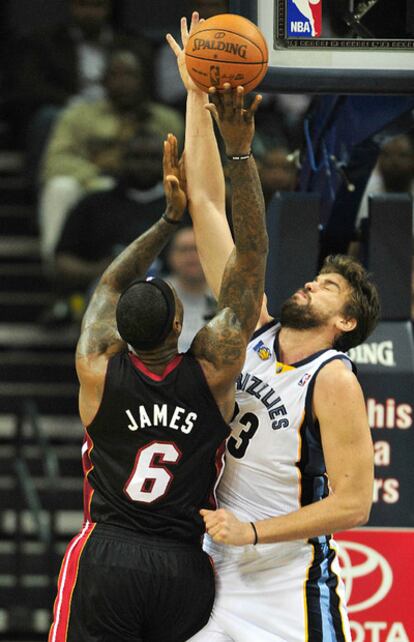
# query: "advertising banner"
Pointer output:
{"type": "Point", "coordinates": [385, 366]}
{"type": "Point", "coordinates": [377, 567]}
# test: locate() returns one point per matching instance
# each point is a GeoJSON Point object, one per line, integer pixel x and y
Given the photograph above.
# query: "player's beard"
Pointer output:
{"type": "Point", "coordinates": [301, 316]}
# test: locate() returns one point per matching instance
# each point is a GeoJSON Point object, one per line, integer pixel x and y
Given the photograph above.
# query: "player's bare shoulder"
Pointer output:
{"type": "Point", "coordinates": [337, 391]}
{"type": "Point", "coordinates": [335, 374]}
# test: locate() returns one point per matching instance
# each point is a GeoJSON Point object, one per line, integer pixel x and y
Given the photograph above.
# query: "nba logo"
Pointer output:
{"type": "Point", "coordinates": [304, 18]}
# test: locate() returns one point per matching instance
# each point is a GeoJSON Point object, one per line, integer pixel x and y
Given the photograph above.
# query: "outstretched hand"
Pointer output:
{"type": "Point", "coordinates": [180, 51]}
{"type": "Point", "coordinates": [235, 122]}
{"type": "Point", "coordinates": [174, 179]}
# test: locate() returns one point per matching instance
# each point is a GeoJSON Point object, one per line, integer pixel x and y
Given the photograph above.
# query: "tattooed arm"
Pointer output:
{"type": "Point", "coordinates": [221, 345]}
{"type": "Point", "coordinates": [99, 338]}
{"type": "Point", "coordinates": [205, 178]}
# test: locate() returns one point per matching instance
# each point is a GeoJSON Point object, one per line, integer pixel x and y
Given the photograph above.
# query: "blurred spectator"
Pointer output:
{"type": "Point", "coordinates": [394, 172]}
{"type": "Point", "coordinates": [187, 277]}
{"type": "Point", "coordinates": [103, 223]}
{"type": "Point", "coordinates": [85, 148]}
{"type": "Point", "coordinates": [56, 65]}
{"type": "Point", "coordinates": [168, 86]}
{"type": "Point", "coordinates": [279, 120]}
{"type": "Point", "coordinates": [277, 172]}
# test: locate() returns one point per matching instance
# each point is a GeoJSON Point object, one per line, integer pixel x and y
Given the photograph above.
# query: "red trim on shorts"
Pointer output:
{"type": "Point", "coordinates": [66, 584]}
{"type": "Point", "coordinates": [168, 368]}
{"type": "Point", "coordinates": [87, 466]}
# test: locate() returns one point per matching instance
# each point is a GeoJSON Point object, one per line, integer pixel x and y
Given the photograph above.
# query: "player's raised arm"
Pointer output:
{"type": "Point", "coordinates": [99, 337]}
{"type": "Point", "coordinates": [205, 178]}
{"type": "Point", "coordinates": [246, 264]}
{"type": "Point", "coordinates": [220, 346]}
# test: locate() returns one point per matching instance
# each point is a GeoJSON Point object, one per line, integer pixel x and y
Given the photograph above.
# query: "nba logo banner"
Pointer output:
{"type": "Point", "coordinates": [304, 18]}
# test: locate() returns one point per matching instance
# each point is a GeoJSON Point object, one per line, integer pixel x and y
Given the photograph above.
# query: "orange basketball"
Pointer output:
{"type": "Point", "coordinates": [226, 48]}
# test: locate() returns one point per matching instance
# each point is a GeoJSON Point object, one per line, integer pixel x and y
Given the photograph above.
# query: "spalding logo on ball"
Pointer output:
{"type": "Point", "coordinates": [226, 48]}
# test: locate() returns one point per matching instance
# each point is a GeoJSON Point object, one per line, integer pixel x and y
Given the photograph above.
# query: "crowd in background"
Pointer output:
{"type": "Point", "coordinates": [89, 105]}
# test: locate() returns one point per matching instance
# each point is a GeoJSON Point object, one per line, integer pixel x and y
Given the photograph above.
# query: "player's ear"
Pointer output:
{"type": "Point", "coordinates": [177, 326]}
{"type": "Point", "coordinates": [346, 324]}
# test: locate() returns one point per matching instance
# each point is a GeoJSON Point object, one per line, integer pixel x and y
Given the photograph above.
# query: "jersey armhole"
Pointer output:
{"type": "Point", "coordinates": [309, 419]}
{"type": "Point", "coordinates": [201, 379]}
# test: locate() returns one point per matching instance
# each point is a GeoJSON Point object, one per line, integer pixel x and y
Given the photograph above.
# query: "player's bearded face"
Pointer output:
{"type": "Point", "coordinates": [299, 313]}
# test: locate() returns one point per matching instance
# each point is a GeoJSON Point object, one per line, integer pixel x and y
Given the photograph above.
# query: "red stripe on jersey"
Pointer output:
{"type": "Point", "coordinates": [87, 466]}
{"type": "Point", "coordinates": [66, 584]}
{"type": "Point", "coordinates": [219, 463]}
{"type": "Point", "coordinates": [168, 368]}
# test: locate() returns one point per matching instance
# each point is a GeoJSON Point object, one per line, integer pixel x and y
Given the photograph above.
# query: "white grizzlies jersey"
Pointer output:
{"type": "Point", "coordinates": [274, 459]}
{"type": "Point", "coordinates": [286, 591]}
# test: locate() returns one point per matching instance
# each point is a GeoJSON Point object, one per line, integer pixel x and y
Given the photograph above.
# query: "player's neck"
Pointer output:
{"type": "Point", "coordinates": [296, 345]}
{"type": "Point", "coordinates": [157, 360]}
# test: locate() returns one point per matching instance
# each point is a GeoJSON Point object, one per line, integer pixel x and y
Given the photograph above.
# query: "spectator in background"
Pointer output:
{"type": "Point", "coordinates": [103, 223]}
{"type": "Point", "coordinates": [187, 278]}
{"type": "Point", "coordinates": [57, 65]}
{"type": "Point", "coordinates": [277, 173]}
{"type": "Point", "coordinates": [280, 120]}
{"type": "Point", "coordinates": [85, 149]}
{"type": "Point", "coordinates": [394, 172]}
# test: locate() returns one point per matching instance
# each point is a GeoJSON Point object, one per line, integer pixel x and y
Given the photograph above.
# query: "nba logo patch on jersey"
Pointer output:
{"type": "Point", "coordinates": [263, 352]}
{"type": "Point", "coordinates": [306, 377]}
{"type": "Point", "coordinates": [304, 18]}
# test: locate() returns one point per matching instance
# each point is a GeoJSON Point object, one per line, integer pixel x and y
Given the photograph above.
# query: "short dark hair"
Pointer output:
{"type": "Point", "coordinates": [142, 314]}
{"type": "Point", "coordinates": [363, 303]}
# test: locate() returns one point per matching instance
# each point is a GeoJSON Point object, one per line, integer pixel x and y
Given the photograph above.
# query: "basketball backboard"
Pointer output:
{"type": "Point", "coordinates": [336, 46]}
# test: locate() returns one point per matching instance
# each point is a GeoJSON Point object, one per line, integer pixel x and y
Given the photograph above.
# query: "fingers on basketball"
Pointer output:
{"type": "Point", "coordinates": [195, 20]}
{"type": "Point", "coordinates": [184, 31]}
{"type": "Point", "coordinates": [215, 107]}
{"type": "Point", "coordinates": [226, 47]}
{"type": "Point", "coordinates": [252, 109]}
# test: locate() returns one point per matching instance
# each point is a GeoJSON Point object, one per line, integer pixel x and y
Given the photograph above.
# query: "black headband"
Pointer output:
{"type": "Point", "coordinates": [169, 298]}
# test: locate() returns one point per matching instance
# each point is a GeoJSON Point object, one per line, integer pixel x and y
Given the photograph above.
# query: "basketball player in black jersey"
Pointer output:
{"type": "Point", "coordinates": [156, 421]}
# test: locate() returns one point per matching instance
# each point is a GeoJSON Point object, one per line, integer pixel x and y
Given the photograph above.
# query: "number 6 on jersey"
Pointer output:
{"type": "Point", "coordinates": [150, 480]}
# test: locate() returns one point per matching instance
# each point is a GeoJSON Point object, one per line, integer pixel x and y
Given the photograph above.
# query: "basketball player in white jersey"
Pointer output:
{"type": "Point", "coordinates": [304, 7]}
{"type": "Point", "coordinates": [299, 463]}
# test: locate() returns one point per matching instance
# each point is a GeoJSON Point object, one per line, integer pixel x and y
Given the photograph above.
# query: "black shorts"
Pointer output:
{"type": "Point", "coordinates": [118, 586]}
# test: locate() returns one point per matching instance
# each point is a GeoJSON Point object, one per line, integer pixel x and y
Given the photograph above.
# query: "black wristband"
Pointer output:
{"type": "Point", "coordinates": [170, 220]}
{"type": "Point", "coordinates": [240, 157]}
{"type": "Point", "coordinates": [256, 539]}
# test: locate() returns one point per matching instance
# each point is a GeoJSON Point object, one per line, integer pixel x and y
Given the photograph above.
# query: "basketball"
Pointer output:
{"type": "Point", "coordinates": [226, 49]}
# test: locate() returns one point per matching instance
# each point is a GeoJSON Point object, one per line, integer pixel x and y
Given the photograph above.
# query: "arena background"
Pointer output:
{"type": "Point", "coordinates": [40, 435]}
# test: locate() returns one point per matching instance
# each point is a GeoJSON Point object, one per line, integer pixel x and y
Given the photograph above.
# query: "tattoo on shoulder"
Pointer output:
{"type": "Point", "coordinates": [221, 341]}
{"type": "Point", "coordinates": [97, 339]}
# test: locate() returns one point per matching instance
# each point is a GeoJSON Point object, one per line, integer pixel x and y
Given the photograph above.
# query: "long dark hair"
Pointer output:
{"type": "Point", "coordinates": [363, 303]}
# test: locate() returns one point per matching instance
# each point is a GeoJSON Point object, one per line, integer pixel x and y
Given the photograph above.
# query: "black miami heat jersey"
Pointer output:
{"type": "Point", "coordinates": [153, 453]}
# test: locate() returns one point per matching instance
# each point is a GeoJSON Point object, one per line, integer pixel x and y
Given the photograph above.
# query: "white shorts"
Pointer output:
{"type": "Point", "coordinates": [296, 597]}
